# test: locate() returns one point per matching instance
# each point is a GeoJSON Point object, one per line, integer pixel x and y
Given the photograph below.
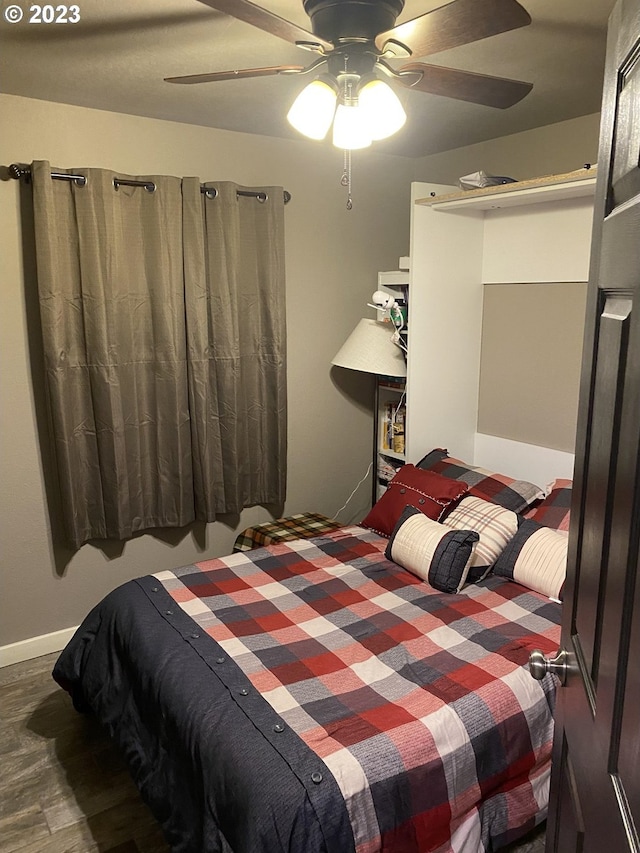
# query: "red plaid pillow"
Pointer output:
{"type": "Point", "coordinates": [491, 486]}
{"type": "Point", "coordinates": [427, 491]}
{"type": "Point", "coordinates": [555, 510]}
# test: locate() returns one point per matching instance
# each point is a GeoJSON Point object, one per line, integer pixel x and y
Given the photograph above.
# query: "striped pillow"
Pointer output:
{"type": "Point", "coordinates": [495, 526]}
{"type": "Point", "coordinates": [536, 557]}
{"type": "Point", "coordinates": [431, 551]}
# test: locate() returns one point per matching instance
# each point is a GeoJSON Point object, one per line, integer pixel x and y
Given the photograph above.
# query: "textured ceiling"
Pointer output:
{"type": "Point", "coordinates": [116, 57]}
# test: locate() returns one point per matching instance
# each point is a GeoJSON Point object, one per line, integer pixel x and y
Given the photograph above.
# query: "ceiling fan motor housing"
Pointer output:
{"type": "Point", "coordinates": [335, 20]}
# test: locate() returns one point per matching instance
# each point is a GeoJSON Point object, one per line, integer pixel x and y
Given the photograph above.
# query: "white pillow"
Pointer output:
{"type": "Point", "coordinates": [431, 551]}
{"type": "Point", "coordinates": [536, 558]}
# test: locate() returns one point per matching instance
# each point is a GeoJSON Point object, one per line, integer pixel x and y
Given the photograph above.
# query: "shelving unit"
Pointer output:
{"type": "Point", "coordinates": [390, 431]}
{"type": "Point", "coordinates": [578, 184]}
{"type": "Point", "coordinates": [390, 401]}
{"type": "Point", "coordinates": [536, 231]}
{"type": "Point", "coordinates": [397, 283]}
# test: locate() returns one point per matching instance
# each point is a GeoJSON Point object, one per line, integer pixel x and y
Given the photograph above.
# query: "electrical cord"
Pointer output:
{"type": "Point", "coordinates": [353, 492]}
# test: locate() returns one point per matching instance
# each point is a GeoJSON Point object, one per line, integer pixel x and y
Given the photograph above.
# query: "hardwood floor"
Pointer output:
{"type": "Point", "coordinates": [63, 787]}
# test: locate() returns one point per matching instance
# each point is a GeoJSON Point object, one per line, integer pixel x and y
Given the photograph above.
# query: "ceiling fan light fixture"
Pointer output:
{"type": "Point", "coordinates": [380, 108]}
{"type": "Point", "coordinates": [350, 128]}
{"type": "Point", "coordinates": [312, 111]}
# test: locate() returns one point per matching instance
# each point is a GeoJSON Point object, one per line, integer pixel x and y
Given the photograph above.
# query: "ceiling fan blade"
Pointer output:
{"type": "Point", "coordinates": [235, 75]}
{"type": "Point", "coordinates": [248, 12]}
{"type": "Point", "coordinates": [457, 23]}
{"type": "Point", "coordinates": [466, 86]}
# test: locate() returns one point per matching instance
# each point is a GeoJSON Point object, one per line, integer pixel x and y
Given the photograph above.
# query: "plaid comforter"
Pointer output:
{"type": "Point", "coordinates": [418, 704]}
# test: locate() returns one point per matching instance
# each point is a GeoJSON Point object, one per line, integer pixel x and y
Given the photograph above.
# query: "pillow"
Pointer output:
{"type": "Point", "coordinates": [555, 510]}
{"type": "Point", "coordinates": [536, 557]}
{"type": "Point", "coordinates": [499, 489]}
{"type": "Point", "coordinates": [431, 551]}
{"type": "Point", "coordinates": [495, 526]}
{"type": "Point", "coordinates": [429, 492]}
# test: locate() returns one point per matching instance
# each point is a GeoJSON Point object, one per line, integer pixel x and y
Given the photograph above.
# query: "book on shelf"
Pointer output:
{"type": "Point", "coordinates": [393, 427]}
{"type": "Point", "coordinates": [393, 383]}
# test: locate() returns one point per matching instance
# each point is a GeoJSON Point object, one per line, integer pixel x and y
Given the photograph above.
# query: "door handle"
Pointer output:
{"type": "Point", "coordinates": [539, 665]}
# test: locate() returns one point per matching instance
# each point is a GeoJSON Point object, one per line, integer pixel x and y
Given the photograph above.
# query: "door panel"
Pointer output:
{"type": "Point", "coordinates": [628, 757]}
{"type": "Point", "coordinates": [595, 780]}
{"type": "Point", "coordinates": [570, 820]}
{"type": "Point", "coordinates": [612, 342]}
{"type": "Point", "coordinates": [626, 155]}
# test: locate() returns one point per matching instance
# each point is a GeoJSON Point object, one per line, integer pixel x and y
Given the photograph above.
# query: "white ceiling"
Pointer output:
{"type": "Point", "coordinates": [116, 57]}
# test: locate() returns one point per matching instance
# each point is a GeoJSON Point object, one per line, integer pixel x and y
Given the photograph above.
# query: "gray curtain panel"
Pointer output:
{"type": "Point", "coordinates": [236, 332]}
{"type": "Point", "coordinates": [114, 267]}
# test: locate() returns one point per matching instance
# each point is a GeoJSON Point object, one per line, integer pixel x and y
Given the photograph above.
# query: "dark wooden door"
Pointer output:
{"type": "Point", "coordinates": [595, 780]}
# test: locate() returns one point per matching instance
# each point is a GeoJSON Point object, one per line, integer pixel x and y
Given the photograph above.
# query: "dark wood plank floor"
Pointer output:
{"type": "Point", "coordinates": [63, 787]}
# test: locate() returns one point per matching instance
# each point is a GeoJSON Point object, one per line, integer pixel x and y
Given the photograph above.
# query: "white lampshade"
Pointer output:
{"type": "Point", "coordinates": [350, 128]}
{"type": "Point", "coordinates": [380, 107]}
{"type": "Point", "coordinates": [370, 348]}
{"type": "Point", "coordinates": [312, 111]}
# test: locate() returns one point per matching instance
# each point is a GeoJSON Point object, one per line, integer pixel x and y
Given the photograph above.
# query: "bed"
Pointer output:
{"type": "Point", "coordinates": [315, 695]}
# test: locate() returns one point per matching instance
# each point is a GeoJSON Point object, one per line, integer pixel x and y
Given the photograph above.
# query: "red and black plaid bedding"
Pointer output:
{"type": "Point", "coordinates": [419, 703]}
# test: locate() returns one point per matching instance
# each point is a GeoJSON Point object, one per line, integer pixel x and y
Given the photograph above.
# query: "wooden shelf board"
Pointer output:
{"type": "Point", "coordinates": [576, 184]}
{"type": "Point", "coordinates": [398, 387]}
{"type": "Point", "coordinates": [392, 454]}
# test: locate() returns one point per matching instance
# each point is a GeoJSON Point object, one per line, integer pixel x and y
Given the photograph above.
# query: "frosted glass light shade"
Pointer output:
{"type": "Point", "coordinates": [370, 348]}
{"type": "Point", "coordinates": [350, 128]}
{"type": "Point", "coordinates": [381, 109]}
{"type": "Point", "coordinates": [312, 111]}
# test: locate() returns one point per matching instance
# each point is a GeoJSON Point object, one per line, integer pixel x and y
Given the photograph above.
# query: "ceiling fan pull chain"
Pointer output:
{"type": "Point", "coordinates": [345, 180]}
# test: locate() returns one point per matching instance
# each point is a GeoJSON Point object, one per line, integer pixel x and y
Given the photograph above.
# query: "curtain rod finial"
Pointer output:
{"type": "Point", "coordinates": [16, 171]}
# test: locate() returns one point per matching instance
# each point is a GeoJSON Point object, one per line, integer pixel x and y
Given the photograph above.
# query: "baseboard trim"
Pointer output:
{"type": "Point", "coordinates": [35, 647]}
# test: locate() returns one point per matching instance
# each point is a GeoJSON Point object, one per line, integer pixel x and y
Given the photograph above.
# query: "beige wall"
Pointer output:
{"type": "Point", "coordinates": [547, 150]}
{"type": "Point", "coordinates": [530, 362]}
{"type": "Point", "coordinates": [332, 257]}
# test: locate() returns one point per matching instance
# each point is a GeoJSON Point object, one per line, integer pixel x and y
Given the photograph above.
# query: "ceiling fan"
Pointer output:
{"type": "Point", "coordinates": [356, 38]}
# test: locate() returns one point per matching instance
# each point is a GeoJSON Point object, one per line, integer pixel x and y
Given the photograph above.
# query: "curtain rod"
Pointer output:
{"type": "Point", "coordinates": [18, 171]}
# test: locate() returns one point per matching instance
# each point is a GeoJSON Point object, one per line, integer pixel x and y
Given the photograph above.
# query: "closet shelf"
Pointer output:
{"type": "Point", "coordinates": [580, 183]}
